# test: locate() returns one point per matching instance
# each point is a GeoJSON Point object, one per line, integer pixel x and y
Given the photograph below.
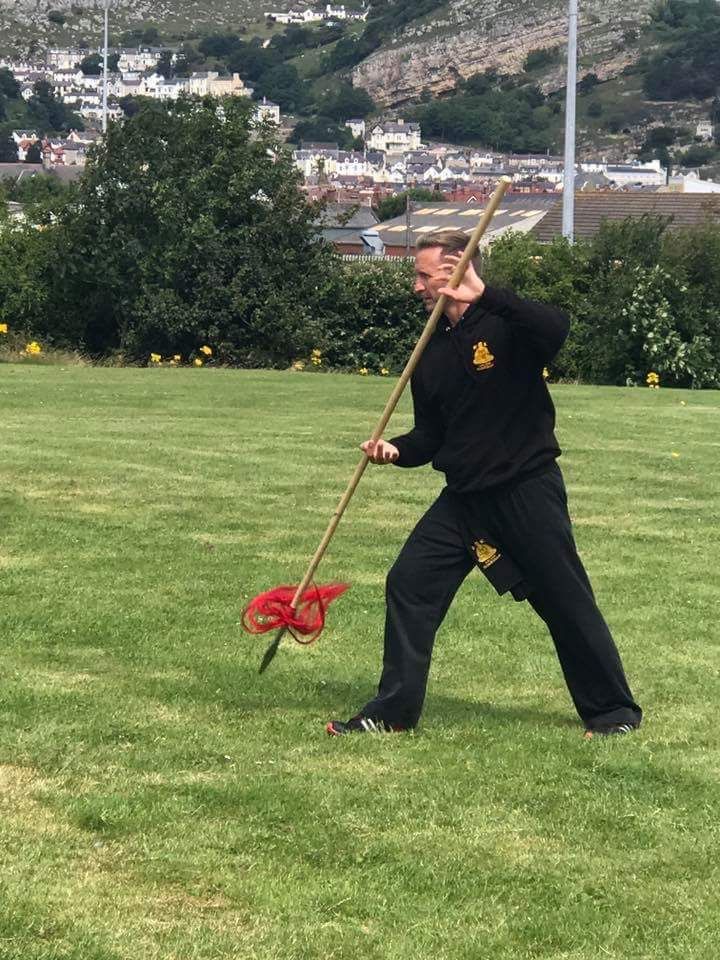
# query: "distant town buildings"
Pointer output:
{"type": "Point", "coordinates": [389, 156]}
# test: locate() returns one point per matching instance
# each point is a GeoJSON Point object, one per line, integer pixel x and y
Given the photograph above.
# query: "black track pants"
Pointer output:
{"type": "Point", "coordinates": [530, 522]}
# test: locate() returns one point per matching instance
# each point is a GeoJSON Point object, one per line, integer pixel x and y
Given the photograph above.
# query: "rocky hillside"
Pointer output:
{"type": "Point", "coordinates": [467, 37]}
{"type": "Point", "coordinates": [24, 20]}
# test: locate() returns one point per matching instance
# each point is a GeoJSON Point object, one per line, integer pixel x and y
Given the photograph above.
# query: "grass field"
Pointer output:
{"type": "Point", "coordinates": [158, 799]}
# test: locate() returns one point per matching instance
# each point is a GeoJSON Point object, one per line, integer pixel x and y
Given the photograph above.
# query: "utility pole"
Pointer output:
{"type": "Point", "coordinates": [408, 202]}
{"type": "Point", "coordinates": [568, 225]}
{"type": "Point", "coordinates": [105, 68]}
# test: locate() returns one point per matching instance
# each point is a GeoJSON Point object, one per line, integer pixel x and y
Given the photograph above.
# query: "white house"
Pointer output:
{"type": "Point", "coordinates": [85, 137]}
{"type": "Point", "coordinates": [65, 58]}
{"type": "Point", "coordinates": [432, 174]}
{"type": "Point", "coordinates": [316, 159]}
{"type": "Point", "coordinates": [296, 16]}
{"type": "Point", "coordinates": [19, 135]}
{"type": "Point", "coordinates": [650, 174]}
{"type": "Point", "coordinates": [18, 68]}
{"type": "Point", "coordinates": [65, 153]}
{"type": "Point", "coordinates": [353, 164]}
{"type": "Point", "coordinates": [140, 59]}
{"type": "Point", "coordinates": [691, 183]}
{"type": "Point", "coordinates": [24, 139]}
{"type": "Point", "coordinates": [395, 137]}
{"type": "Point", "coordinates": [130, 86]}
{"type": "Point", "coordinates": [92, 110]}
{"type": "Point", "coordinates": [229, 87]}
{"type": "Point", "coordinates": [704, 130]}
{"type": "Point", "coordinates": [357, 128]}
{"type": "Point", "coordinates": [171, 89]}
{"type": "Point", "coordinates": [267, 110]}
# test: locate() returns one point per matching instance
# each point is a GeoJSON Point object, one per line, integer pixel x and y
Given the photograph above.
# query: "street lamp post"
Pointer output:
{"type": "Point", "coordinates": [408, 211]}
{"type": "Point", "coordinates": [105, 69]}
{"type": "Point", "coordinates": [568, 226]}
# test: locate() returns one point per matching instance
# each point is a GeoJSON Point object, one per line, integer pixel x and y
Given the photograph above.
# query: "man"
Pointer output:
{"type": "Point", "coordinates": [484, 417]}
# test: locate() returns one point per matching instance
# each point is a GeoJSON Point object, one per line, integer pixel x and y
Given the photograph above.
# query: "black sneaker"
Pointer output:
{"type": "Point", "coordinates": [611, 730]}
{"type": "Point", "coordinates": [360, 724]}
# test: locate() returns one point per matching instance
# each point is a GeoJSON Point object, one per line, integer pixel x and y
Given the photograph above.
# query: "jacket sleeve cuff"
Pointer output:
{"type": "Point", "coordinates": [406, 458]}
{"type": "Point", "coordinates": [492, 299]}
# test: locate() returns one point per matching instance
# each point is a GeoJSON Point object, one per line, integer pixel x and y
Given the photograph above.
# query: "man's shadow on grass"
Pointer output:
{"type": "Point", "coordinates": [340, 698]}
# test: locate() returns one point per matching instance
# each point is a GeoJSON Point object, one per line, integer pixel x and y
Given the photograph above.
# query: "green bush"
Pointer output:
{"type": "Point", "coordinates": [373, 319]}
{"type": "Point", "coordinates": [189, 228]}
{"type": "Point", "coordinates": [640, 298]}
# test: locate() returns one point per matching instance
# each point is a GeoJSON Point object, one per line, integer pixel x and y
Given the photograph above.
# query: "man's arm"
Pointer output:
{"type": "Point", "coordinates": [420, 445]}
{"type": "Point", "coordinates": [415, 448]}
{"type": "Point", "coordinates": [544, 328]}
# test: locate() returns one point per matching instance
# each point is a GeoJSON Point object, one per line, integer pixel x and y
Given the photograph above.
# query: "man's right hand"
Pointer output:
{"type": "Point", "coordinates": [380, 452]}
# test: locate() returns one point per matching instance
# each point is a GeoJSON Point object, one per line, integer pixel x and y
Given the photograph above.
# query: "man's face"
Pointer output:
{"type": "Point", "coordinates": [427, 264]}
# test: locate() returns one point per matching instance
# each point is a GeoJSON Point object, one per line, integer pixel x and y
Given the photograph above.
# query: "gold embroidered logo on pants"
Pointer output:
{"type": "Point", "coordinates": [486, 554]}
{"type": "Point", "coordinates": [482, 357]}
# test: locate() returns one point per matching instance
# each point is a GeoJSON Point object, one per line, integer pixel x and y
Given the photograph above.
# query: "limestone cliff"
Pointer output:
{"type": "Point", "coordinates": [471, 36]}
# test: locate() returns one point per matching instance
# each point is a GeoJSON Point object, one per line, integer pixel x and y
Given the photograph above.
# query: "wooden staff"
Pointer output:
{"type": "Point", "coordinates": [439, 309]}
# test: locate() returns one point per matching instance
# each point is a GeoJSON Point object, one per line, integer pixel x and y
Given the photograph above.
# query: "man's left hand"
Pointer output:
{"type": "Point", "coordinates": [471, 287]}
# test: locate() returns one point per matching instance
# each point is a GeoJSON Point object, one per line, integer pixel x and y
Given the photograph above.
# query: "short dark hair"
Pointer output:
{"type": "Point", "coordinates": [451, 241]}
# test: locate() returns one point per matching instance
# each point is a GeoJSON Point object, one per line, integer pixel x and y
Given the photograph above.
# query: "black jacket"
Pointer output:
{"type": "Point", "coordinates": [483, 414]}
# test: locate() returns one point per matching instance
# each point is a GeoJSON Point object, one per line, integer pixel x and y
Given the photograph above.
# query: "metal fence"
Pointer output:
{"type": "Point", "coordinates": [368, 258]}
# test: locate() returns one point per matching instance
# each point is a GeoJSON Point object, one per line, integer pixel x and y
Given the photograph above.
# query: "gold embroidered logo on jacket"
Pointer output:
{"type": "Point", "coordinates": [486, 553]}
{"type": "Point", "coordinates": [482, 358]}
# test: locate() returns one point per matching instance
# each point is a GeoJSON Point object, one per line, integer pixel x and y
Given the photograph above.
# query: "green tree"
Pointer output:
{"type": "Point", "coordinates": [697, 156]}
{"type": "Point", "coordinates": [537, 59]}
{"type": "Point", "coordinates": [588, 83]}
{"type": "Point", "coordinates": [344, 101]}
{"type": "Point", "coordinates": [164, 66]}
{"type": "Point", "coordinates": [92, 65]}
{"type": "Point", "coordinates": [46, 112]}
{"type": "Point", "coordinates": [390, 207]}
{"type": "Point", "coordinates": [284, 86]}
{"type": "Point", "coordinates": [8, 150]}
{"type": "Point", "coordinates": [214, 243]}
{"type": "Point", "coordinates": [9, 86]}
{"type": "Point", "coordinates": [129, 105]}
{"type": "Point", "coordinates": [34, 154]}
{"type": "Point", "coordinates": [322, 130]}
{"type": "Point", "coordinates": [25, 274]}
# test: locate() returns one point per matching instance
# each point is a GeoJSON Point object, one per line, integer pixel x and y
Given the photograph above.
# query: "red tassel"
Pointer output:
{"type": "Point", "coordinates": [273, 610]}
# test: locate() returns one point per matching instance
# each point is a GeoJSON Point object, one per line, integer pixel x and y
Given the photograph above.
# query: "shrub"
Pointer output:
{"type": "Point", "coordinates": [373, 320]}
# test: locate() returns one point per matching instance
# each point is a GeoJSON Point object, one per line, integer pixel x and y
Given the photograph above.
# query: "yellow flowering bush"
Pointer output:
{"type": "Point", "coordinates": [363, 371]}
{"type": "Point", "coordinates": [155, 358]}
{"type": "Point", "coordinates": [3, 328]}
{"type": "Point", "coordinates": [33, 348]}
{"type": "Point", "coordinates": [206, 350]}
{"type": "Point", "coordinates": [197, 362]}
{"type": "Point", "coordinates": [653, 380]}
